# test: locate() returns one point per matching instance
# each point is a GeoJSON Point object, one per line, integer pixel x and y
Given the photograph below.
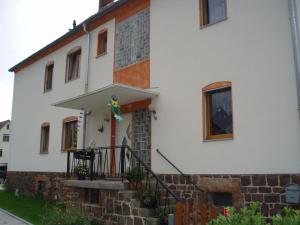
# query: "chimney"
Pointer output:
{"type": "Point", "coordinates": [103, 3]}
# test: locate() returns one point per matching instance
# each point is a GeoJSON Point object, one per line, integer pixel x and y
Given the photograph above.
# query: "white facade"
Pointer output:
{"type": "Point", "coordinates": [252, 49]}
{"type": "Point", "coordinates": [4, 142]}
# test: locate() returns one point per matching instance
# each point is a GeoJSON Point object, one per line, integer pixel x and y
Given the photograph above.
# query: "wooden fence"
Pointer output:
{"type": "Point", "coordinates": [194, 214]}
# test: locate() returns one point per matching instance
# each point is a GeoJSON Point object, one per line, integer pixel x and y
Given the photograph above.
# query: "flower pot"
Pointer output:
{"type": "Point", "coordinates": [81, 176]}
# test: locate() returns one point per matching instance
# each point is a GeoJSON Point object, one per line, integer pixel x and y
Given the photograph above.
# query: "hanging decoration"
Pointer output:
{"type": "Point", "coordinates": [115, 107]}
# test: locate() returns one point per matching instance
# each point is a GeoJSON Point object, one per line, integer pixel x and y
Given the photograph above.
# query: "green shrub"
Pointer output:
{"type": "Point", "coordinates": [247, 216]}
{"type": "Point", "coordinates": [290, 217]}
{"type": "Point", "coordinates": [60, 215]}
{"type": "Point", "coordinates": [252, 216]}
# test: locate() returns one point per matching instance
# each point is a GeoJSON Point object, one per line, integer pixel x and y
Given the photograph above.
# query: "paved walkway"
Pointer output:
{"type": "Point", "coordinates": [7, 218]}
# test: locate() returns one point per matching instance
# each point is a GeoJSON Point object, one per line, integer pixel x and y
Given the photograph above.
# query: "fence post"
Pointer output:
{"type": "Point", "coordinates": [178, 219]}
{"type": "Point", "coordinates": [196, 206]}
{"type": "Point", "coordinates": [203, 215]}
{"type": "Point", "coordinates": [187, 213]}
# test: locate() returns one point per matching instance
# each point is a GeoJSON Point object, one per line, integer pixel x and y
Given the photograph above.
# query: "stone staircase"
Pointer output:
{"type": "Point", "coordinates": [118, 205]}
{"type": "Point", "coordinates": [127, 210]}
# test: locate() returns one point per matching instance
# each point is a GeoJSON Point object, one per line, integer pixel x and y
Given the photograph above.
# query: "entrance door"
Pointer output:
{"type": "Point", "coordinates": [123, 137]}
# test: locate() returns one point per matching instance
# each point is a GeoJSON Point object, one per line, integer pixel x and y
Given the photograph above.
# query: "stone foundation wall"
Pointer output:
{"type": "Point", "coordinates": [114, 207]}
{"type": "Point", "coordinates": [265, 189]}
{"type": "Point", "coordinates": [27, 183]}
{"type": "Point", "coordinates": [268, 190]}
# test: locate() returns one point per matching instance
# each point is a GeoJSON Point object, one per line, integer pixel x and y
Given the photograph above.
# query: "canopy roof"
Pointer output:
{"type": "Point", "coordinates": [98, 99]}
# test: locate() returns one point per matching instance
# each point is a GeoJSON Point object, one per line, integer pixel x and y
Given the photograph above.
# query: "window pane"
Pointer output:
{"type": "Point", "coordinates": [70, 135]}
{"type": "Point", "coordinates": [220, 111]}
{"type": "Point", "coordinates": [216, 10]}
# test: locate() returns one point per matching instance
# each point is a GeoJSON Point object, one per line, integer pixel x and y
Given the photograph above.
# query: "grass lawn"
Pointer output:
{"type": "Point", "coordinates": [27, 208]}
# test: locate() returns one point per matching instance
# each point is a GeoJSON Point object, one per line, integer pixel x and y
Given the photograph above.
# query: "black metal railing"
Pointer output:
{"type": "Point", "coordinates": [188, 178]}
{"type": "Point", "coordinates": [120, 162]}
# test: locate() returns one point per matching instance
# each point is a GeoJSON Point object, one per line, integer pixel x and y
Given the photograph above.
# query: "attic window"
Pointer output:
{"type": "Point", "coordinates": [102, 43]}
{"type": "Point", "coordinates": [212, 11]}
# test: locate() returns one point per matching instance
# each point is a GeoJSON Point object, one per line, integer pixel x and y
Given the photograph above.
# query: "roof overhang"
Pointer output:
{"type": "Point", "coordinates": [98, 99]}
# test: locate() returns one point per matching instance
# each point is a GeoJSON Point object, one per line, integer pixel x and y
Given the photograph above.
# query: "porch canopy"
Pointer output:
{"type": "Point", "coordinates": [99, 99]}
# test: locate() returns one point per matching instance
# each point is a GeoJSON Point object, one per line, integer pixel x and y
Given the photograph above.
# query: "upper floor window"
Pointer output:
{"type": "Point", "coordinates": [5, 137]}
{"type": "Point", "coordinates": [102, 42]}
{"type": "Point", "coordinates": [69, 136]}
{"type": "Point", "coordinates": [7, 126]}
{"type": "Point", "coordinates": [217, 111]}
{"type": "Point", "coordinates": [212, 11]}
{"type": "Point", "coordinates": [1, 152]}
{"type": "Point", "coordinates": [48, 76]}
{"type": "Point", "coordinates": [45, 131]}
{"type": "Point", "coordinates": [73, 64]}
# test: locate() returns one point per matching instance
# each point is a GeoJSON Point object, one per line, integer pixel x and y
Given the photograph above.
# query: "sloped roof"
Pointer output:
{"type": "Point", "coordinates": [2, 124]}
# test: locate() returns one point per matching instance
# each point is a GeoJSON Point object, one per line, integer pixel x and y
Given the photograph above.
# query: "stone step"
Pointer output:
{"type": "Point", "coordinates": [144, 212]}
{"type": "Point", "coordinates": [152, 221]}
{"type": "Point", "coordinates": [127, 194]}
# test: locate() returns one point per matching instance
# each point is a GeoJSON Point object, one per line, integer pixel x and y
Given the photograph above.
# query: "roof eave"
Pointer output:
{"type": "Point", "coordinates": [98, 15]}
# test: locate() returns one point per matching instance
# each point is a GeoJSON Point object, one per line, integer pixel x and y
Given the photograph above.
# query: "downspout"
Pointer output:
{"type": "Point", "coordinates": [295, 42]}
{"type": "Point", "coordinates": [86, 83]}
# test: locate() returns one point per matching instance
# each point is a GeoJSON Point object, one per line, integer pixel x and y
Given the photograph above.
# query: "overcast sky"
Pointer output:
{"type": "Point", "coordinates": [27, 26]}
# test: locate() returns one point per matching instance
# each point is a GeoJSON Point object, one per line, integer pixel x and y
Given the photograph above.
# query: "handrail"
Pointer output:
{"type": "Point", "coordinates": [95, 149]}
{"type": "Point", "coordinates": [154, 175]}
{"type": "Point", "coordinates": [188, 178]}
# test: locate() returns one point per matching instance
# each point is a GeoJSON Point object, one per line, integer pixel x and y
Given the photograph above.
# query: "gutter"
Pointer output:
{"type": "Point", "coordinates": [295, 43]}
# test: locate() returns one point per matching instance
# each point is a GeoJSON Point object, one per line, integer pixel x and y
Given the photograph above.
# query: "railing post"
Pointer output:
{"type": "Point", "coordinates": [68, 164]}
{"type": "Point", "coordinates": [92, 164]}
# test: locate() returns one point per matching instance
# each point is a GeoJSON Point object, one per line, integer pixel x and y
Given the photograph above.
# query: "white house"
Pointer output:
{"type": "Point", "coordinates": [4, 147]}
{"type": "Point", "coordinates": [4, 142]}
{"type": "Point", "coordinates": [212, 84]}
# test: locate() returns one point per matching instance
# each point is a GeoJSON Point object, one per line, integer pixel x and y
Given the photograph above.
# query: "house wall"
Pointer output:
{"type": "Point", "coordinates": [32, 107]}
{"type": "Point", "coordinates": [253, 50]}
{"type": "Point", "coordinates": [4, 145]}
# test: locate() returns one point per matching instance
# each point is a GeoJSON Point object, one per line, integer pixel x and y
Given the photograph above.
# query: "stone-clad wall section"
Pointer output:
{"type": "Point", "coordinates": [268, 190]}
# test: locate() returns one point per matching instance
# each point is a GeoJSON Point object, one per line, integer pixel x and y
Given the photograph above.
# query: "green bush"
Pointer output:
{"type": "Point", "coordinates": [247, 216]}
{"type": "Point", "coordinates": [252, 216]}
{"type": "Point", "coordinates": [290, 217]}
{"type": "Point", "coordinates": [60, 215]}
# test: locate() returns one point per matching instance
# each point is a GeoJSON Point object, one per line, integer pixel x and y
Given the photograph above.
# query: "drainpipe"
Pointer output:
{"type": "Point", "coordinates": [295, 42]}
{"type": "Point", "coordinates": [86, 82]}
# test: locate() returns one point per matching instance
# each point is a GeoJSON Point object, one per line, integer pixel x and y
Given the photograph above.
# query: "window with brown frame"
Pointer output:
{"type": "Point", "coordinates": [212, 11]}
{"type": "Point", "coordinates": [217, 111]}
{"type": "Point", "coordinates": [102, 43]}
{"type": "Point", "coordinates": [44, 143]}
{"type": "Point", "coordinates": [69, 137]}
{"type": "Point", "coordinates": [73, 65]}
{"type": "Point", "coordinates": [48, 77]}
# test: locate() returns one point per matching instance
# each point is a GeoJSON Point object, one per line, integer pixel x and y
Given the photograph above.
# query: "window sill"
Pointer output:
{"type": "Point", "coordinates": [47, 91]}
{"type": "Point", "coordinates": [68, 150]}
{"type": "Point", "coordinates": [100, 55]}
{"type": "Point", "coordinates": [68, 81]}
{"type": "Point", "coordinates": [211, 24]}
{"type": "Point", "coordinates": [218, 138]}
{"type": "Point", "coordinates": [44, 153]}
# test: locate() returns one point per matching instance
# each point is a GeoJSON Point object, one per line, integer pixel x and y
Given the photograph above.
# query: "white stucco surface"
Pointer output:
{"type": "Point", "coordinates": [252, 49]}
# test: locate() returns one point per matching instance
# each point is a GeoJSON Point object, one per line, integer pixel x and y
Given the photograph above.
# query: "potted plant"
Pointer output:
{"type": "Point", "coordinates": [163, 217]}
{"type": "Point", "coordinates": [135, 175]}
{"type": "Point", "coordinates": [81, 171]}
{"type": "Point", "coordinates": [148, 199]}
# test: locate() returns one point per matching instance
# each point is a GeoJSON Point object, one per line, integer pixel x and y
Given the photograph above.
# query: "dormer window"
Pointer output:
{"type": "Point", "coordinates": [73, 64]}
